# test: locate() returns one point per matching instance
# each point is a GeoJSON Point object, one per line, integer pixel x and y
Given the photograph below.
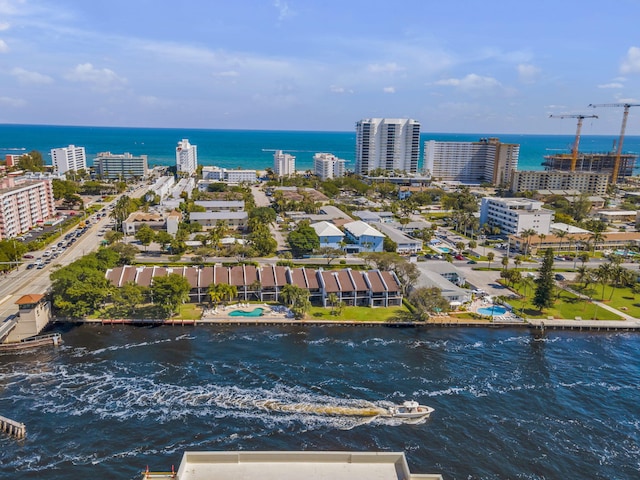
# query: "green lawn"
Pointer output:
{"type": "Point", "coordinates": [357, 314]}
{"type": "Point", "coordinates": [623, 298]}
{"type": "Point", "coordinates": [567, 306]}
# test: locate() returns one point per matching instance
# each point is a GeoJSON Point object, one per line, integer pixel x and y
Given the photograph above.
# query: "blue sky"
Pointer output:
{"type": "Point", "coordinates": [456, 66]}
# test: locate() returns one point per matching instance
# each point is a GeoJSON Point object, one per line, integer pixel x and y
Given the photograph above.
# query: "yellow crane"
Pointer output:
{"type": "Point", "coordinates": [625, 115]}
{"type": "Point", "coordinates": [576, 143]}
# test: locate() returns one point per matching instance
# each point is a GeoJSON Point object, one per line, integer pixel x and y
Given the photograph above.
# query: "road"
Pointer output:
{"type": "Point", "coordinates": [23, 281]}
{"type": "Point", "coordinates": [262, 200]}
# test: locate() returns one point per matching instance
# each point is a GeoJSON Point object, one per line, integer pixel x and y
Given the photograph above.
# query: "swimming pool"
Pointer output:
{"type": "Point", "coordinates": [256, 312]}
{"type": "Point", "coordinates": [444, 249]}
{"type": "Point", "coordinates": [492, 311]}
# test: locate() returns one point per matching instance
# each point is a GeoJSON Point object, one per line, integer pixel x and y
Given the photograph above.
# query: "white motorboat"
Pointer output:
{"type": "Point", "coordinates": [410, 409]}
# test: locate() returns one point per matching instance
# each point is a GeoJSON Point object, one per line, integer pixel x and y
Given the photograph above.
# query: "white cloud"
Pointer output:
{"type": "Point", "coordinates": [389, 89]}
{"type": "Point", "coordinates": [470, 82]}
{"type": "Point", "coordinates": [101, 79]}
{"type": "Point", "coordinates": [12, 102]}
{"type": "Point", "coordinates": [528, 73]}
{"type": "Point", "coordinates": [25, 76]}
{"type": "Point", "coordinates": [631, 64]}
{"type": "Point", "coordinates": [228, 73]}
{"type": "Point", "coordinates": [339, 89]}
{"type": "Point", "coordinates": [611, 85]}
{"type": "Point", "coordinates": [390, 67]}
{"type": "Point", "coordinates": [3, 46]}
{"type": "Point", "coordinates": [284, 11]}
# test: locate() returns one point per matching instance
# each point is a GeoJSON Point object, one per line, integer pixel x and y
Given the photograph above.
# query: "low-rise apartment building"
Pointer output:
{"type": "Point", "coordinates": [514, 215]}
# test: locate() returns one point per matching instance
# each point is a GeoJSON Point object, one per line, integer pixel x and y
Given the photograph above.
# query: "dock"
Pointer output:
{"type": "Point", "coordinates": [13, 428]}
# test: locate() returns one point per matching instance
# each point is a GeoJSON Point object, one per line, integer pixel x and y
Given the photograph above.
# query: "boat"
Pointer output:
{"type": "Point", "coordinates": [410, 409]}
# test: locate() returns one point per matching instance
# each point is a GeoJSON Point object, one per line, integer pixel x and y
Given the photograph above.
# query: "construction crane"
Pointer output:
{"type": "Point", "coordinates": [576, 143]}
{"type": "Point", "coordinates": [625, 115]}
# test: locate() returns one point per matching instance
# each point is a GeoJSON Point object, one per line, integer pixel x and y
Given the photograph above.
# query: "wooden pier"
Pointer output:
{"type": "Point", "coordinates": [13, 428]}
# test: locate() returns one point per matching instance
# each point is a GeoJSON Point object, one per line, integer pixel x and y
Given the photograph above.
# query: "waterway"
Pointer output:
{"type": "Point", "coordinates": [112, 400]}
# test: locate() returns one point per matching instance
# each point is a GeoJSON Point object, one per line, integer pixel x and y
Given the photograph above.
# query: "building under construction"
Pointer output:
{"type": "Point", "coordinates": [593, 162]}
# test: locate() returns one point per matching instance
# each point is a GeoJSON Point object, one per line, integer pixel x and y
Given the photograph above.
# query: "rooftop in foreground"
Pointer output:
{"type": "Point", "coordinates": [297, 465]}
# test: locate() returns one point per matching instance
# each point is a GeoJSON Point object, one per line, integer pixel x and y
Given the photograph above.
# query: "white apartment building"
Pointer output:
{"type": "Point", "coordinates": [387, 143]}
{"type": "Point", "coordinates": [186, 157]}
{"type": "Point", "coordinates": [284, 164]}
{"type": "Point", "coordinates": [23, 205]}
{"type": "Point", "coordinates": [122, 166]}
{"type": "Point", "coordinates": [327, 165]}
{"type": "Point", "coordinates": [594, 183]}
{"type": "Point", "coordinates": [487, 160]}
{"type": "Point", "coordinates": [69, 158]}
{"type": "Point", "coordinates": [514, 215]}
{"type": "Point", "coordinates": [217, 174]}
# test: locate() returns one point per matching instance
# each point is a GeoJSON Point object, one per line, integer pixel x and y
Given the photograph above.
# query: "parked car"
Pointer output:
{"type": "Point", "coordinates": [472, 262]}
{"type": "Point", "coordinates": [459, 257]}
{"type": "Point", "coordinates": [28, 256]}
{"type": "Point", "coordinates": [559, 277]}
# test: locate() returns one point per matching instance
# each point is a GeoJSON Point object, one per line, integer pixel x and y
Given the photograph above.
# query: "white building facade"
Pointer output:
{"type": "Point", "coordinates": [487, 160]}
{"type": "Point", "coordinates": [24, 205]}
{"type": "Point", "coordinates": [217, 174]}
{"type": "Point", "coordinates": [514, 215]}
{"type": "Point", "coordinates": [387, 143]}
{"type": "Point", "coordinates": [284, 164]}
{"type": "Point", "coordinates": [594, 183]}
{"type": "Point", "coordinates": [327, 165]}
{"type": "Point", "coordinates": [186, 157]}
{"type": "Point", "coordinates": [112, 167]}
{"type": "Point", "coordinates": [69, 158]}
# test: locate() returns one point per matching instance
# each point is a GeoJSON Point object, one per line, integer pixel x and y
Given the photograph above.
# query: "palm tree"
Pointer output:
{"type": "Point", "coordinates": [603, 274]}
{"type": "Point", "coordinates": [596, 237]}
{"type": "Point", "coordinates": [527, 283]}
{"type": "Point", "coordinates": [490, 257]}
{"type": "Point", "coordinates": [332, 299]}
{"type": "Point", "coordinates": [584, 275]}
{"type": "Point", "coordinates": [505, 262]}
{"type": "Point", "coordinates": [527, 234]}
{"type": "Point", "coordinates": [561, 234]}
{"type": "Point", "coordinates": [541, 236]}
{"type": "Point", "coordinates": [517, 260]}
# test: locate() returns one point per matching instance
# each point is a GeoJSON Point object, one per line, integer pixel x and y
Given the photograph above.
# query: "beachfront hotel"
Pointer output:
{"type": "Point", "coordinates": [485, 161]}
{"type": "Point", "coordinates": [284, 164]}
{"type": "Point", "coordinates": [387, 143]}
{"type": "Point", "coordinates": [68, 158]}
{"type": "Point", "coordinates": [327, 165]}
{"type": "Point", "coordinates": [186, 157]}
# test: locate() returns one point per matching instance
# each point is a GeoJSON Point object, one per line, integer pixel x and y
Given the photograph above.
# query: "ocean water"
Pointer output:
{"type": "Point", "coordinates": [254, 149]}
{"type": "Point", "coordinates": [112, 400]}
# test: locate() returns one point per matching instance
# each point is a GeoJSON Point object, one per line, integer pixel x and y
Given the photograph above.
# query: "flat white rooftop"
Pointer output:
{"type": "Point", "coordinates": [296, 466]}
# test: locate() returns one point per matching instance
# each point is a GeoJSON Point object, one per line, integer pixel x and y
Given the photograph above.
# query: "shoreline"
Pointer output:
{"type": "Point", "coordinates": [540, 325]}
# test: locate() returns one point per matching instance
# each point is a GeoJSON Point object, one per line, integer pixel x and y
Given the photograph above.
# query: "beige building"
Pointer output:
{"type": "Point", "coordinates": [34, 312]}
{"type": "Point", "coordinates": [533, 180]}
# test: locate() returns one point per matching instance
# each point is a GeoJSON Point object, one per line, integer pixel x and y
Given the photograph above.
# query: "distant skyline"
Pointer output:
{"type": "Point", "coordinates": [460, 66]}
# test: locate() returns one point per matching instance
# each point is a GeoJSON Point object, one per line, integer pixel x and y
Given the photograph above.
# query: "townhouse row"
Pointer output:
{"type": "Point", "coordinates": [372, 288]}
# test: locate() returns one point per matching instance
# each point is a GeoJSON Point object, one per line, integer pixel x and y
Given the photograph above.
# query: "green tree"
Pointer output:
{"type": "Point", "coordinates": [389, 245]}
{"type": "Point", "coordinates": [113, 236]}
{"type": "Point", "coordinates": [330, 253]}
{"type": "Point", "coordinates": [164, 239]}
{"type": "Point", "coordinates": [128, 297]}
{"type": "Point", "coordinates": [261, 240]}
{"type": "Point", "coordinates": [127, 253]}
{"type": "Point", "coordinates": [303, 240]}
{"type": "Point", "coordinates": [222, 292]}
{"type": "Point", "coordinates": [31, 161]}
{"type": "Point", "coordinates": [490, 257]}
{"type": "Point", "coordinates": [297, 299]}
{"type": "Point", "coordinates": [427, 300]}
{"type": "Point", "coordinates": [170, 292]}
{"type": "Point", "coordinates": [145, 235]}
{"type": "Point", "coordinates": [543, 297]}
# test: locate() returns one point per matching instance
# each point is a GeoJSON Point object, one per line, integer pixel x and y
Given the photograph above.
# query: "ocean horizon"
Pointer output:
{"type": "Point", "coordinates": [253, 149]}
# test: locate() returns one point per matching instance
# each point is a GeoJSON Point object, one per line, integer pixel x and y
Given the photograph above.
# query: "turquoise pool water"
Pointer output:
{"type": "Point", "coordinates": [495, 311]}
{"type": "Point", "coordinates": [444, 249]}
{"type": "Point", "coordinates": [256, 312]}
